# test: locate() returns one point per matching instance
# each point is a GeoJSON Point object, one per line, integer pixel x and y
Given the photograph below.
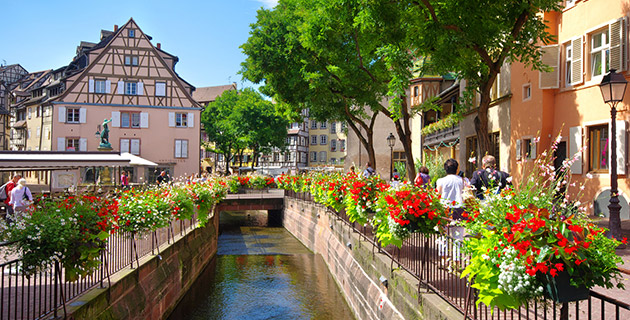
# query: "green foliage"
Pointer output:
{"type": "Point", "coordinates": [435, 164]}
{"type": "Point", "coordinates": [401, 167]}
{"type": "Point", "coordinates": [449, 121]}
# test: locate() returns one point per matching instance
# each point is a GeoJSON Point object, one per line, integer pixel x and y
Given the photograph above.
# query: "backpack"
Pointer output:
{"type": "Point", "coordinates": [3, 192]}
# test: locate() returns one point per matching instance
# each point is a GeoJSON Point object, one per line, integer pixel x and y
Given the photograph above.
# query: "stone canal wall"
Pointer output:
{"type": "Point", "coordinates": [154, 289]}
{"type": "Point", "coordinates": [358, 270]}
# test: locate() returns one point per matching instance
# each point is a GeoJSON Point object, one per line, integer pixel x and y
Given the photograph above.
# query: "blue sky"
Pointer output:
{"type": "Point", "coordinates": [205, 35]}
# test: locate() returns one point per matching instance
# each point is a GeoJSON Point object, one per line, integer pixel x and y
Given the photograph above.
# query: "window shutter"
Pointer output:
{"type": "Point", "coordinates": [617, 40]}
{"type": "Point", "coordinates": [576, 64]}
{"type": "Point", "coordinates": [140, 88]}
{"type": "Point", "coordinates": [185, 148]}
{"type": "Point", "coordinates": [61, 144]}
{"type": "Point", "coordinates": [83, 144]}
{"type": "Point", "coordinates": [178, 148]}
{"type": "Point", "coordinates": [82, 115]}
{"type": "Point", "coordinates": [120, 89]}
{"type": "Point", "coordinates": [124, 145]}
{"type": "Point", "coordinates": [91, 85]}
{"type": "Point", "coordinates": [135, 146]}
{"type": "Point", "coordinates": [532, 154]}
{"type": "Point", "coordinates": [191, 120]}
{"type": "Point", "coordinates": [115, 119]}
{"type": "Point", "coordinates": [144, 119]}
{"type": "Point", "coordinates": [171, 119]}
{"type": "Point", "coordinates": [621, 146]}
{"type": "Point", "coordinates": [108, 86]}
{"type": "Point", "coordinates": [575, 144]}
{"type": "Point", "coordinates": [62, 114]}
{"type": "Point", "coordinates": [550, 55]}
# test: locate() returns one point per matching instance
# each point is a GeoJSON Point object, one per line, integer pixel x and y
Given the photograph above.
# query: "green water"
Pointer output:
{"type": "Point", "coordinates": [262, 273]}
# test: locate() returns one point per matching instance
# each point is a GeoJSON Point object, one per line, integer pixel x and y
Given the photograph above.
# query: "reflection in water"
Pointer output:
{"type": "Point", "coordinates": [263, 273]}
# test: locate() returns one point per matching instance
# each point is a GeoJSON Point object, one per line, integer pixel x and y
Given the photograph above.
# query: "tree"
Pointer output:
{"type": "Point", "coordinates": [239, 120]}
{"type": "Point", "coordinates": [332, 58]}
{"type": "Point", "coordinates": [475, 38]}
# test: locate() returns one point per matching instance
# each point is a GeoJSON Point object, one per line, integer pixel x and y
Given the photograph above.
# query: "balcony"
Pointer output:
{"type": "Point", "coordinates": [442, 136]}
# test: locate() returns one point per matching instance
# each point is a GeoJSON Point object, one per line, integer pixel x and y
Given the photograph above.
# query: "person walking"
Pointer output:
{"type": "Point", "coordinates": [124, 180]}
{"type": "Point", "coordinates": [19, 195]}
{"type": "Point", "coordinates": [422, 177]}
{"type": "Point", "coordinates": [162, 178]}
{"type": "Point", "coordinates": [369, 171]}
{"type": "Point", "coordinates": [8, 187]}
{"type": "Point", "coordinates": [451, 187]}
{"type": "Point", "coordinates": [488, 177]}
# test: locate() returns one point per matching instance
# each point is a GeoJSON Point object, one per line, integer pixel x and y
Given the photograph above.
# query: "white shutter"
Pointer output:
{"type": "Point", "coordinates": [82, 115]}
{"type": "Point", "coordinates": [39, 131]}
{"type": "Point", "coordinates": [115, 119]}
{"type": "Point", "coordinates": [91, 85]}
{"type": "Point", "coordinates": [184, 148]}
{"type": "Point", "coordinates": [140, 88]}
{"type": "Point", "coordinates": [617, 41]}
{"type": "Point", "coordinates": [550, 56]}
{"type": "Point", "coordinates": [121, 87]}
{"type": "Point", "coordinates": [124, 145]}
{"type": "Point", "coordinates": [178, 148]}
{"type": "Point", "coordinates": [160, 89]}
{"type": "Point", "coordinates": [621, 146]}
{"type": "Point", "coordinates": [144, 119]}
{"type": "Point", "coordinates": [62, 114]}
{"type": "Point", "coordinates": [83, 144]}
{"type": "Point", "coordinates": [108, 86]}
{"type": "Point", "coordinates": [576, 62]}
{"type": "Point", "coordinates": [575, 144]}
{"type": "Point", "coordinates": [61, 144]}
{"type": "Point", "coordinates": [135, 146]}
{"type": "Point", "coordinates": [191, 120]}
{"type": "Point", "coordinates": [171, 119]}
{"type": "Point", "coordinates": [532, 154]}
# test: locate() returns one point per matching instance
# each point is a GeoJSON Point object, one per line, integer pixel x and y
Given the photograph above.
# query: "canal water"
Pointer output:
{"type": "Point", "coordinates": [262, 272]}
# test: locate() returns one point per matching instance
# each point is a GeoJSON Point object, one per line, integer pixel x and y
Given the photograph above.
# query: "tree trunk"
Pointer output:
{"type": "Point", "coordinates": [368, 140]}
{"type": "Point", "coordinates": [404, 134]}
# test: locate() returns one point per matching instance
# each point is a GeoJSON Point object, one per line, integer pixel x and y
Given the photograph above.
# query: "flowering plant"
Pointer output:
{"type": "Point", "coordinates": [361, 197]}
{"type": "Point", "coordinates": [407, 209]}
{"type": "Point", "coordinates": [330, 189]}
{"type": "Point", "coordinates": [261, 182]}
{"type": "Point", "coordinates": [526, 237]}
{"type": "Point", "coordinates": [144, 211]}
{"type": "Point", "coordinates": [72, 230]}
{"type": "Point", "coordinates": [205, 195]}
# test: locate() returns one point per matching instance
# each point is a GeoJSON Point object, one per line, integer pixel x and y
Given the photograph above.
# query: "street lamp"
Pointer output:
{"type": "Point", "coordinates": [391, 140]}
{"type": "Point", "coordinates": [613, 89]}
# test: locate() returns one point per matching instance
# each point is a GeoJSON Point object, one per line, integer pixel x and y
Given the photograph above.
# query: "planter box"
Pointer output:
{"type": "Point", "coordinates": [560, 290]}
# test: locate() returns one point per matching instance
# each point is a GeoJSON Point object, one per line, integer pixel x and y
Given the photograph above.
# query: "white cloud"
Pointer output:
{"type": "Point", "coordinates": [268, 4]}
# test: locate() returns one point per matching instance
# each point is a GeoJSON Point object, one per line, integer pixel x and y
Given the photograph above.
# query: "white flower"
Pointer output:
{"type": "Point", "coordinates": [589, 176]}
{"type": "Point", "coordinates": [472, 160]}
{"type": "Point", "coordinates": [509, 179]}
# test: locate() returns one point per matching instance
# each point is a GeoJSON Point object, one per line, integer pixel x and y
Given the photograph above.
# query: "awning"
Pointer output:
{"type": "Point", "coordinates": [19, 124]}
{"type": "Point", "coordinates": [58, 160]}
{"type": "Point", "coordinates": [137, 161]}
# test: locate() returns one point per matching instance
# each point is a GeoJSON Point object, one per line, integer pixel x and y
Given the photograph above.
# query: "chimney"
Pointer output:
{"type": "Point", "coordinates": [159, 46]}
{"type": "Point", "coordinates": [115, 27]}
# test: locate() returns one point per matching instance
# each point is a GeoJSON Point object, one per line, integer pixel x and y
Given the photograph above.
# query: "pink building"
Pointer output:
{"type": "Point", "coordinates": [126, 79]}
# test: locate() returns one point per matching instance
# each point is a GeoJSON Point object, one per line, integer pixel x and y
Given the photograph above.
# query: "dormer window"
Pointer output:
{"type": "Point", "coordinates": [131, 60]}
{"type": "Point", "coordinates": [132, 33]}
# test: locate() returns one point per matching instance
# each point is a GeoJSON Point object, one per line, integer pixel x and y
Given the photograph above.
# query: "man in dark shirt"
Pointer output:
{"type": "Point", "coordinates": [488, 177]}
{"type": "Point", "coordinates": [162, 178]}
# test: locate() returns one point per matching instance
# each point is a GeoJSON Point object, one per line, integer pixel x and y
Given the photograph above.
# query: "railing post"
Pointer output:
{"type": "Point", "coordinates": [55, 288]}
{"type": "Point", "coordinates": [564, 311]}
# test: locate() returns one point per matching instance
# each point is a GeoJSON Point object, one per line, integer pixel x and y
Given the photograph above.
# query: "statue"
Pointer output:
{"type": "Point", "coordinates": [105, 145]}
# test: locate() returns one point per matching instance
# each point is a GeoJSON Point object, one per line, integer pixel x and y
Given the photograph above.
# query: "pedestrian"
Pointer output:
{"type": "Point", "coordinates": [395, 175]}
{"type": "Point", "coordinates": [8, 187]}
{"type": "Point", "coordinates": [422, 178]}
{"type": "Point", "coordinates": [488, 178]}
{"type": "Point", "coordinates": [124, 180]}
{"type": "Point", "coordinates": [18, 196]}
{"type": "Point", "coordinates": [451, 187]}
{"type": "Point", "coordinates": [162, 178]}
{"type": "Point", "coordinates": [369, 171]}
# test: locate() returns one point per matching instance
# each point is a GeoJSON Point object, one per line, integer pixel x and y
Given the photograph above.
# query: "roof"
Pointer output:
{"type": "Point", "coordinates": [56, 160]}
{"type": "Point", "coordinates": [137, 161]}
{"type": "Point", "coordinates": [209, 94]}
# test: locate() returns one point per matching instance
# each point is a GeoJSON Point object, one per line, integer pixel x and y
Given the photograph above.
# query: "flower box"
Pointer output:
{"type": "Point", "coordinates": [559, 289]}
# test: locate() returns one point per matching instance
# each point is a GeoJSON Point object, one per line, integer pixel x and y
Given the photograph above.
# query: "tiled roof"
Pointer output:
{"type": "Point", "coordinates": [209, 94]}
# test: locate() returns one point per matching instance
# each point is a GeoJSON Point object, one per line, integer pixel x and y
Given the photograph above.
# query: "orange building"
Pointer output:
{"type": "Point", "coordinates": [591, 39]}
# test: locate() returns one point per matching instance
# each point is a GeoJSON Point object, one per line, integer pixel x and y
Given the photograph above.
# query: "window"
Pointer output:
{"type": "Point", "coordinates": [72, 144]}
{"type": "Point", "coordinates": [181, 119]}
{"type": "Point", "coordinates": [322, 125]}
{"type": "Point", "coordinates": [130, 145]}
{"type": "Point", "coordinates": [313, 124]}
{"type": "Point", "coordinates": [333, 160]}
{"type": "Point", "coordinates": [415, 91]}
{"type": "Point", "coordinates": [323, 139]}
{"type": "Point", "coordinates": [322, 156]}
{"type": "Point", "coordinates": [343, 126]}
{"type": "Point", "coordinates": [527, 91]}
{"type": "Point", "coordinates": [333, 127]}
{"type": "Point", "coordinates": [39, 111]}
{"type": "Point", "coordinates": [600, 53]}
{"type": "Point", "coordinates": [568, 64]}
{"type": "Point", "coordinates": [160, 89]}
{"type": "Point", "coordinates": [598, 148]}
{"type": "Point", "coordinates": [333, 145]}
{"type": "Point", "coordinates": [313, 139]}
{"type": "Point", "coordinates": [495, 145]}
{"type": "Point", "coordinates": [400, 156]}
{"type": "Point", "coordinates": [314, 156]}
{"type": "Point", "coordinates": [471, 152]}
{"type": "Point", "coordinates": [130, 119]}
{"type": "Point", "coordinates": [131, 88]}
{"type": "Point", "coordinates": [181, 148]}
{"type": "Point", "coordinates": [132, 33]}
{"type": "Point", "coordinates": [131, 60]}
{"type": "Point", "coordinates": [30, 112]}
{"type": "Point", "coordinates": [527, 148]}
{"type": "Point", "coordinates": [100, 86]}
{"type": "Point", "coordinates": [342, 145]}
{"type": "Point", "coordinates": [72, 115]}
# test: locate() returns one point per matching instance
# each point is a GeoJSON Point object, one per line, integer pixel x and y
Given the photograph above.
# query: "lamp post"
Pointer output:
{"type": "Point", "coordinates": [613, 89]}
{"type": "Point", "coordinates": [391, 140]}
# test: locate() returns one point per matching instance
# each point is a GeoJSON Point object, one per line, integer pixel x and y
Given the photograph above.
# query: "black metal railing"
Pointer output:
{"type": "Point", "coordinates": [437, 261]}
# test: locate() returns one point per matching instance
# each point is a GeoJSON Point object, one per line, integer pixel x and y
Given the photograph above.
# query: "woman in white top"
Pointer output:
{"type": "Point", "coordinates": [18, 196]}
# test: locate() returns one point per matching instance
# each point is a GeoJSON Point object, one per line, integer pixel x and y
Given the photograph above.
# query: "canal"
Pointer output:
{"type": "Point", "coordinates": [262, 272]}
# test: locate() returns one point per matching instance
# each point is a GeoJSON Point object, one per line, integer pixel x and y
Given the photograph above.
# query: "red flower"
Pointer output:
{"type": "Point", "coordinates": [578, 261]}
{"type": "Point", "coordinates": [542, 267]}
{"type": "Point", "coordinates": [553, 272]}
{"type": "Point", "coordinates": [559, 266]}
{"type": "Point", "coordinates": [624, 240]}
